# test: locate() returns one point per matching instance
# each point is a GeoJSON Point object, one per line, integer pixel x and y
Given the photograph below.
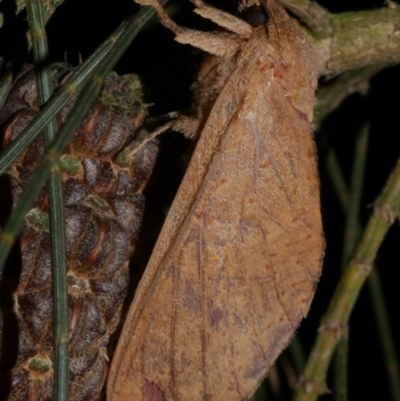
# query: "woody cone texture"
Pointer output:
{"type": "Point", "coordinates": [104, 206]}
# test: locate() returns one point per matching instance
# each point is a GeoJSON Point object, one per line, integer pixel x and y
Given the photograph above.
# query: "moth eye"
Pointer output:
{"type": "Point", "coordinates": [256, 16]}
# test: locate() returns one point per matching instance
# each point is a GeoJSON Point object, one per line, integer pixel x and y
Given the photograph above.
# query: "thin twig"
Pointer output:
{"type": "Point", "coordinates": [351, 236]}
{"type": "Point", "coordinates": [360, 39]}
{"type": "Point", "coordinates": [353, 207]}
{"type": "Point", "coordinates": [346, 294]}
{"type": "Point", "coordinates": [374, 286]}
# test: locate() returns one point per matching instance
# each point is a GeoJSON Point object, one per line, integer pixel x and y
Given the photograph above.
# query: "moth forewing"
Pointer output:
{"type": "Point", "coordinates": [237, 261]}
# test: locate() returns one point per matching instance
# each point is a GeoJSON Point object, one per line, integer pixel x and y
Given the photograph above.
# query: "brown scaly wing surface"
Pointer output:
{"type": "Point", "coordinates": [239, 256]}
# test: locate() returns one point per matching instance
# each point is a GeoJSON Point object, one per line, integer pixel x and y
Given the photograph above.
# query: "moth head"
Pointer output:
{"type": "Point", "coordinates": [257, 16]}
{"type": "Point", "coordinates": [262, 12]}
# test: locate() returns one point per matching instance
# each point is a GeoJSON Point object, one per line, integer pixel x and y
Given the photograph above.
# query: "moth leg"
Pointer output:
{"type": "Point", "coordinates": [223, 19]}
{"type": "Point", "coordinates": [149, 138]}
{"type": "Point", "coordinates": [216, 43]}
{"type": "Point", "coordinates": [164, 18]}
{"type": "Point", "coordinates": [187, 126]}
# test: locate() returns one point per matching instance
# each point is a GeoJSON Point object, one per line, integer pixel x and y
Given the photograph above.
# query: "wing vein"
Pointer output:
{"type": "Point", "coordinates": [234, 371]}
{"type": "Point", "coordinates": [250, 294]}
{"type": "Point", "coordinates": [278, 297]}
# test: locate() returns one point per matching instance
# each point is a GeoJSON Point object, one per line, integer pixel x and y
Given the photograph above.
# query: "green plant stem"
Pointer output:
{"type": "Point", "coordinates": [56, 209]}
{"type": "Point", "coordinates": [350, 40]}
{"type": "Point", "coordinates": [360, 39]}
{"type": "Point", "coordinates": [60, 286]}
{"type": "Point", "coordinates": [374, 287]}
{"type": "Point", "coordinates": [350, 239]}
{"type": "Point", "coordinates": [347, 291]}
{"type": "Point", "coordinates": [352, 231]}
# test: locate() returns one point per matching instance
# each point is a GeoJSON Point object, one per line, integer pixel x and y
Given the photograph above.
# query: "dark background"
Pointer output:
{"type": "Point", "coordinates": [168, 69]}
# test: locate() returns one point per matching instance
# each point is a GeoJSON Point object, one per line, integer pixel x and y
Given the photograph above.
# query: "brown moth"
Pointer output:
{"type": "Point", "coordinates": [237, 261]}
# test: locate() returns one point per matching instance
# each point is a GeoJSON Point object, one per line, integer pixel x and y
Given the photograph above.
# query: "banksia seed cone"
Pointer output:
{"type": "Point", "coordinates": [103, 210]}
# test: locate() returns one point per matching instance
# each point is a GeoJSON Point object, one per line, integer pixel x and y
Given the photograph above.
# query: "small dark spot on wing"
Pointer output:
{"type": "Point", "coordinates": [216, 315]}
{"type": "Point", "coordinates": [190, 300]}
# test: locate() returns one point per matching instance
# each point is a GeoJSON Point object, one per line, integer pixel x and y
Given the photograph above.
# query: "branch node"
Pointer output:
{"type": "Point", "coordinates": [386, 213]}
{"type": "Point", "coordinates": [312, 386]}
{"type": "Point", "coordinates": [362, 266]}
{"type": "Point", "coordinates": [332, 327]}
